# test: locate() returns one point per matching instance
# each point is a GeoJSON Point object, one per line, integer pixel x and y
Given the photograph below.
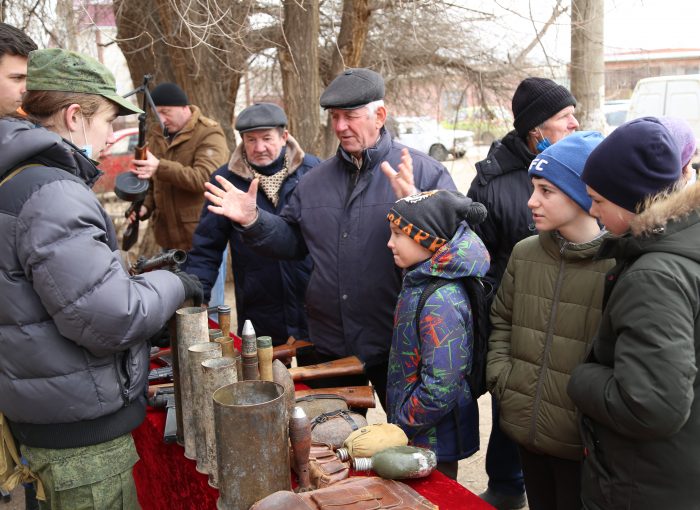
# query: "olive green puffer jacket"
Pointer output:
{"type": "Point", "coordinates": [544, 317]}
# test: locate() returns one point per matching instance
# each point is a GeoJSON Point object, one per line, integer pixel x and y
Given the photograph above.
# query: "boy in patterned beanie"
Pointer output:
{"type": "Point", "coordinates": [427, 392]}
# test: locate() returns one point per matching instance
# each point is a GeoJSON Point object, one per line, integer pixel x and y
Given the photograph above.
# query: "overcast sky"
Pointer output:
{"type": "Point", "coordinates": [651, 24]}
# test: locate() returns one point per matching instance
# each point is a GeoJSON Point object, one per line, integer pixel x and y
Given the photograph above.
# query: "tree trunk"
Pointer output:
{"type": "Point", "coordinates": [587, 63]}
{"type": "Point", "coordinates": [299, 63]}
{"type": "Point", "coordinates": [354, 27]}
{"type": "Point", "coordinates": [156, 39]}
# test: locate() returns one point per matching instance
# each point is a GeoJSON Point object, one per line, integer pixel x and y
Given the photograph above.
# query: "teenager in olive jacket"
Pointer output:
{"type": "Point", "coordinates": [639, 391]}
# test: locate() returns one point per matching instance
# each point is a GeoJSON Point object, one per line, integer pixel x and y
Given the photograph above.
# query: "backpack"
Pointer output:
{"type": "Point", "coordinates": [480, 294]}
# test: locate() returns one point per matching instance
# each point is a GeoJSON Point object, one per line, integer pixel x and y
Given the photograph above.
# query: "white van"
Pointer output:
{"type": "Point", "coordinates": [668, 96]}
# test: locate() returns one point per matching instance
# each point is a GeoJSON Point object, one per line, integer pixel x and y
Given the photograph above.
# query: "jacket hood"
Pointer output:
{"type": "Point", "coordinates": [465, 255]}
{"type": "Point", "coordinates": [238, 165]}
{"type": "Point", "coordinates": [21, 141]}
{"type": "Point", "coordinates": [669, 223]}
{"type": "Point", "coordinates": [507, 155]}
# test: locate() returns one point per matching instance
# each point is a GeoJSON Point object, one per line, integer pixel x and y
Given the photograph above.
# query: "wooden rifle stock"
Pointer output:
{"type": "Point", "coordinates": [355, 396]}
{"type": "Point", "coordinates": [339, 367]}
{"type": "Point", "coordinates": [285, 351]}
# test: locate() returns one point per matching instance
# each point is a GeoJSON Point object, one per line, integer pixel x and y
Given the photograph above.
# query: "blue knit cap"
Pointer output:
{"type": "Point", "coordinates": [562, 164]}
{"type": "Point", "coordinates": [638, 160]}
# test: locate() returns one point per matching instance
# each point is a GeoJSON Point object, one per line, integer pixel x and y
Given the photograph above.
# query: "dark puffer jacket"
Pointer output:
{"type": "Point", "coordinates": [269, 292]}
{"type": "Point", "coordinates": [503, 186]}
{"type": "Point", "coordinates": [640, 392]}
{"type": "Point", "coordinates": [73, 324]}
{"type": "Point", "coordinates": [337, 214]}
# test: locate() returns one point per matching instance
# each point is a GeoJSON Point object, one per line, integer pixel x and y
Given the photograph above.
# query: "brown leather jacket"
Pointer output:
{"type": "Point", "coordinates": [176, 195]}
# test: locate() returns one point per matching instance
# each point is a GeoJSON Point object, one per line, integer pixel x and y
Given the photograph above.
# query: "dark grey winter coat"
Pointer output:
{"type": "Point", "coordinates": [640, 393]}
{"type": "Point", "coordinates": [73, 324]}
{"type": "Point", "coordinates": [354, 284]}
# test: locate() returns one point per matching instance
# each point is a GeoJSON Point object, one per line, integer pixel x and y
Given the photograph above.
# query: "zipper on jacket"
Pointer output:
{"type": "Point", "coordinates": [123, 389]}
{"type": "Point", "coordinates": [547, 346]}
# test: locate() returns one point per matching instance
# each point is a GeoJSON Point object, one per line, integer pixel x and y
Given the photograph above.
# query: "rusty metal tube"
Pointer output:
{"type": "Point", "coordinates": [217, 372]}
{"type": "Point", "coordinates": [192, 327]}
{"type": "Point", "coordinates": [227, 347]}
{"type": "Point", "coordinates": [197, 354]}
{"type": "Point", "coordinates": [251, 422]}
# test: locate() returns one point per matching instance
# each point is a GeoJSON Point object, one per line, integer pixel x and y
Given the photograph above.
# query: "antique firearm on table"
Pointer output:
{"type": "Point", "coordinates": [355, 396]}
{"type": "Point", "coordinates": [164, 396]}
{"type": "Point", "coordinates": [352, 365]}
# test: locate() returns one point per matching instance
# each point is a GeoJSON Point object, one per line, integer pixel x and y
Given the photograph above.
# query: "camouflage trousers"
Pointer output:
{"type": "Point", "coordinates": [89, 477]}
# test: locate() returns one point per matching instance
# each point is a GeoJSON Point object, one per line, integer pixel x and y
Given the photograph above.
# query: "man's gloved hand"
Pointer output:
{"type": "Point", "coordinates": [193, 287]}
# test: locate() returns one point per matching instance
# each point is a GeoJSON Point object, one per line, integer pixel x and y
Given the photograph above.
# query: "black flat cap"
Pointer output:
{"type": "Point", "coordinates": [261, 116]}
{"type": "Point", "coordinates": [352, 89]}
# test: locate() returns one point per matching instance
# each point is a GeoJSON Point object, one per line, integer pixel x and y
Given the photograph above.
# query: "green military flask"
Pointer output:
{"type": "Point", "coordinates": [399, 462]}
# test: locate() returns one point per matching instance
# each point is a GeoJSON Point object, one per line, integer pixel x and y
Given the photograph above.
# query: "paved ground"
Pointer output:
{"type": "Point", "coordinates": [471, 471]}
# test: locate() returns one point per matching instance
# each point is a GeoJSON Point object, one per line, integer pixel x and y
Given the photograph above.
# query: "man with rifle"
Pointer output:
{"type": "Point", "coordinates": [178, 161]}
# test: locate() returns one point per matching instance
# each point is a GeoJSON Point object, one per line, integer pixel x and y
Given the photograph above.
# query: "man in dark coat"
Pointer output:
{"type": "Point", "coordinates": [543, 114]}
{"type": "Point", "coordinates": [269, 292]}
{"type": "Point", "coordinates": [337, 215]}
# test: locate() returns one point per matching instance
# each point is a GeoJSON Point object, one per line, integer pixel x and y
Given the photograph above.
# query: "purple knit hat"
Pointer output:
{"type": "Point", "coordinates": [683, 134]}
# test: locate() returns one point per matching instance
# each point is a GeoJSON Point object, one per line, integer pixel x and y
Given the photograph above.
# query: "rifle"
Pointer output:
{"type": "Point", "coordinates": [286, 351]}
{"type": "Point", "coordinates": [355, 396]}
{"type": "Point", "coordinates": [167, 260]}
{"type": "Point", "coordinates": [128, 186]}
{"type": "Point", "coordinates": [164, 396]}
{"type": "Point", "coordinates": [352, 365]}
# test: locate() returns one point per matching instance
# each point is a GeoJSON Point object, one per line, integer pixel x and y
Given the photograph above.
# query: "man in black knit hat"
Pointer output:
{"type": "Point", "coordinates": [543, 114]}
{"type": "Point", "coordinates": [178, 163]}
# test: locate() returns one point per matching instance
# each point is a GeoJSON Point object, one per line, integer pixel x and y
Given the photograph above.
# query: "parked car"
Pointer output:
{"type": "Point", "coordinates": [116, 158]}
{"type": "Point", "coordinates": [670, 96]}
{"type": "Point", "coordinates": [425, 135]}
{"type": "Point", "coordinates": [615, 112]}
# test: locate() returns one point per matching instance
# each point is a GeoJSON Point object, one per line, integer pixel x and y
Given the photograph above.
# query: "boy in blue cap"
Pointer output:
{"type": "Point", "coordinates": [544, 317]}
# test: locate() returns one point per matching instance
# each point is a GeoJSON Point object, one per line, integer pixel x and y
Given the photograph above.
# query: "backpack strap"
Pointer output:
{"type": "Point", "coordinates": [428, 291]}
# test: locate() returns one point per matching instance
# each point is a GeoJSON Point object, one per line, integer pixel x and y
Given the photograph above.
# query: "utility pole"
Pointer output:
{"type": "Point", "coordinates": [587, 62]}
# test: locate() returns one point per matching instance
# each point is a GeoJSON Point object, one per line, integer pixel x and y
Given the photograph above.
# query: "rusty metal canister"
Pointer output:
{"type": "Point", "coordinates": [224, 314]}
{"type": "Point", "coordinates": [227, 348]}
{"type": "Point", "coordinates": [251, 422]}
{"type": "Point", "coordinates": [239, 363]}
{"type": "Point", "coordinates": [192, 325]}
{"type": "Point", "coordinates": [264, 344]}
{"type": "Point", "coordinates": [217, 372]}
{"type": "Point", "coordinates": [197, 354]}
{"type": "Point", "coordinates": [215, 333]}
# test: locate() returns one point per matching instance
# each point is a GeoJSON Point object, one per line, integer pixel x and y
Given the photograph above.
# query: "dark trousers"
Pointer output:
{"type": "Point", "coordinates": [449, 469]}
{"type": "Point", "coordinates": [552, 483]}
{"type": "Point", "coordinates": [376, 374]}
{"type": "Point", "coordinates": [502, 460]}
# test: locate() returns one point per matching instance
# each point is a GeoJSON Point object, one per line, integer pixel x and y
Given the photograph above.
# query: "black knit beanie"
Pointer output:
{"type": "Point", "coordinates": [431, 218]}
{"type": "Point", "coordinates": [638, 160]}
{"type": "Point", "coordinates": [169, 94]}
{"type": "Point", "coordinates": [537, 99]}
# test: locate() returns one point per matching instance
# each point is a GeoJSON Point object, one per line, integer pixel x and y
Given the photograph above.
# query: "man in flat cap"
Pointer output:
{"type": "Point", "coordinates": [337, 214]}
{"type": "Point", "coordinates": [178, 161]}
{"type": "Point", "coordinates": [543, 114]}
{"type": "Point", "coordinates": [269, 291]}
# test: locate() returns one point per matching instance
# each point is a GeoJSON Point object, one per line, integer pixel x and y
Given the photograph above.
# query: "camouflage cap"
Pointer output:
{"type": "Point", "coordinates": [68, 71]}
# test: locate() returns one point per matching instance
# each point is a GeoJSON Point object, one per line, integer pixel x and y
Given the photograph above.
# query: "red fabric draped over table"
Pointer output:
{"type": "Point", "coordinates": [166, 480]}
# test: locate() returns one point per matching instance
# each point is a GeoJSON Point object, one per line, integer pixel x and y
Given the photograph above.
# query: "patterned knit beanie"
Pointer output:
{"type": "Point", "coordinates": [537, 99]}
{"type": "Point", "coordinates": [431, 218]}
{"type": "Point", "coordinates": [638, 160]}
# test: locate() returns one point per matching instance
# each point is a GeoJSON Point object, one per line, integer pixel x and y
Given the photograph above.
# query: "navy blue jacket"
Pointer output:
{"type": "Point", "coordinates": [269, 291]}
{"type": "Point", "coordinates": [343, 226]}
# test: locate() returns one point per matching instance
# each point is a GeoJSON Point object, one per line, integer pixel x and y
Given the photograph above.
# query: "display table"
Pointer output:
{"type": "Point", "coordinates": [166, 480]}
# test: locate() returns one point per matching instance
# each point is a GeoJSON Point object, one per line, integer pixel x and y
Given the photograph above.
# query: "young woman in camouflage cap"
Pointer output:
{"type": "Point", "coordinates": [73, 324]}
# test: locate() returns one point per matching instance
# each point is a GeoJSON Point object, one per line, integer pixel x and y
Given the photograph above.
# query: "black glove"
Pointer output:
{"type": "Point", "coordinates": [193, 287]}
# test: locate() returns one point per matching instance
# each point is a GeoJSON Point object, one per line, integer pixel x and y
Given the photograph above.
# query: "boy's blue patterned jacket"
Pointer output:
{"type": "Point", "coordinates": [427, 391]}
